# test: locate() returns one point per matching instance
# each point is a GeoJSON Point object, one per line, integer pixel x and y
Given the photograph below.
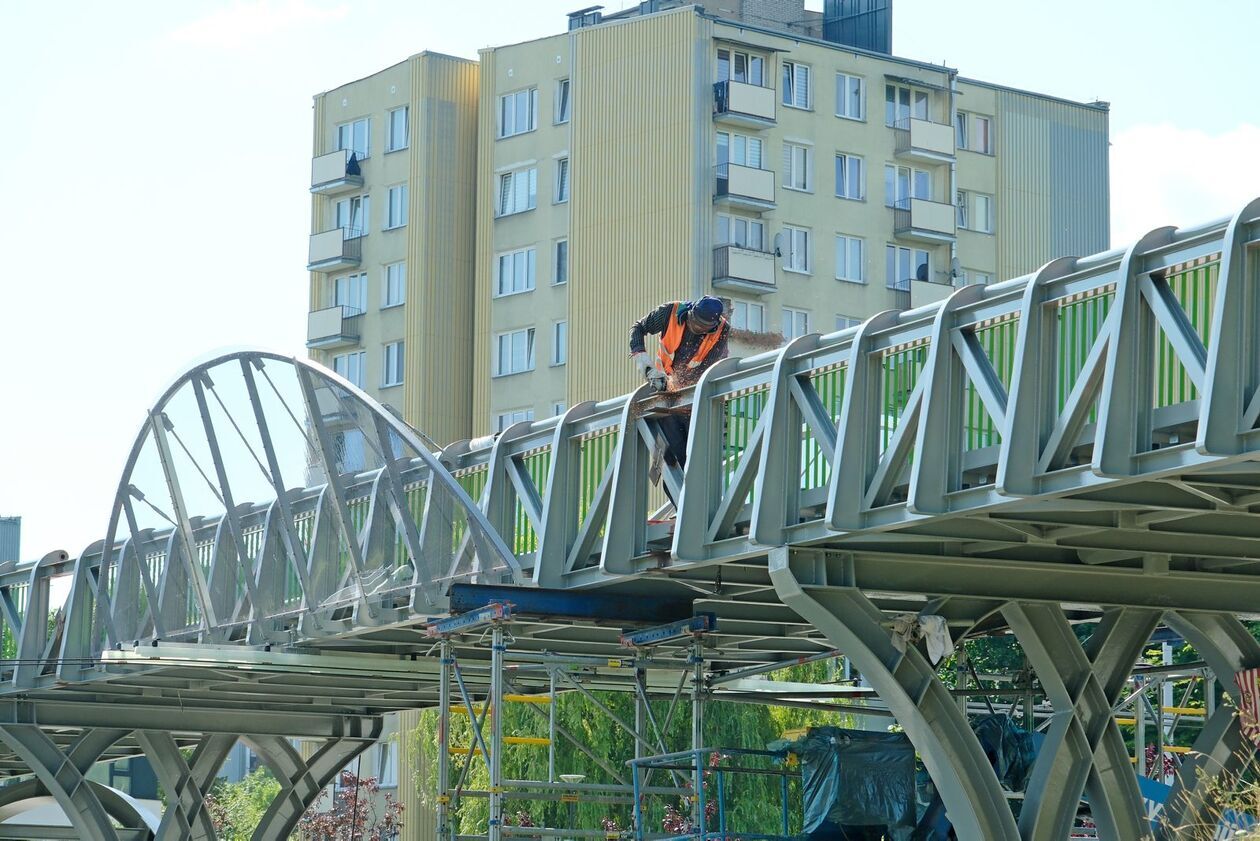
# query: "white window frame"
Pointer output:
{"type": "Point", "coordinates": [562, 108]}
{"type": "Point", "coordinates": [393, 284]}
{"type": "Point", "coordinates": [982, 213]}
{"type": "Point", "coordinates": [509, 119]}
{"type": "Point", "coordinates": [387, 762]}
{"type": "Point", "coordinates": [351, 366]}
{"type": "Point", "coordinates": [791, 160]}
{"type": "Point", "coordinates": [846, 244]}
{"type": "Point", "coordinates": [522, 260]}
{"type": "Point", "coordinates": [346, 132]}
{"type": "Point", "coordinates": [984, 140]}
{"type": "Point", "coordinates": [791, 77]}
{"type": "Point", "coordinates": [894, 281]}
{"type": "Point", "coordinates": [516, 192]}
{"type": "Point", "coordinates": [843, 103]}
{"type": "Point", "coordinates": [844, 322]}
{"type": "Point", "coordinates": [741, 231]}
{"type": "Point", "coordinates": [845, 164]}
{"type": "Point", "coordinates": [351, 210]}
{"type": "Point", "coordinates": [559, 343]}
{"type": "Point", "coordinates": [751, 60]}
{"type": "Point", "coordinates": [914, 96]}
{"type": "Point", "coordinates": [528, 336]}
{"type": "Point", "coordinates": [351, 290]}
{"type": "Point", "coordinates": [792, 317]}
{"type": "Point", "coordinates": [393, 118]}
{"type": "Point", "coordinates": [912, 182]}
{"type": "Point", "coordinates": [796, 250]}
{"type": "Point", "coordinates": [392, 364]}
{"type": "Point", "coordinates": [562, 180]}
{"type": "Point", "coordinates": [560, 262]}
{"type": "Point", "coordinates": [962, 133]}
{"type": "Point", "coordinates": [558, 408]}
{"type": "Point", "coordinates": [502, 420]}
{"type": "Point", "coordinates": [396, 207]}
{"type": "Point", "coordinates": [748, 315]}
{"type": "Point", "coordinates": [739, 150]}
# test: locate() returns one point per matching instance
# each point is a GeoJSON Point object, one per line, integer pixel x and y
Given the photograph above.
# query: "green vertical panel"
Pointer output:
{"type": "Point", "coordinates": [1194, 288]}
{"type": "Point", "coordinates": [901, 369]}
{"type": "Point", "coordinates": [997, 341]}
{"type": "Point", "coordinates": [1080, 322]}
{"type": "Point", "coordinates": [828, 384]}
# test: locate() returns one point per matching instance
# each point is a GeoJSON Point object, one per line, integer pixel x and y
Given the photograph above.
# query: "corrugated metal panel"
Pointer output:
{"type": "Point", "coordinates": [414, 780]}
{"type": "Point", "coordinates": [10, 539]}
{"type": "Point", "coordinates": [1053, 189]}
{"type": "Point", "coordinates": [440, 246]}
{"type": "Point", "coordinates": [634, 199]}
{"type": "Point", "coordinates": [480, 371]}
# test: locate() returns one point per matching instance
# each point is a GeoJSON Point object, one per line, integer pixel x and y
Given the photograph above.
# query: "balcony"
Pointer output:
{"type": "Point", "coordinates": [340, 248]}
{"type": "Point", "coordinates": [921, 220]}
{"type": "Point", "coordinates": [924, 141]}
{"type": "Point", "coordinates": [744, 186]}
{"type": "Point", "coordinates": [743, 269]}
{"type": "Point", "coordinates": [335, 173]}
{"type": "Point", "coordinates": [333, 327]}
{"type": "Point", "coordinates": [742, 104]}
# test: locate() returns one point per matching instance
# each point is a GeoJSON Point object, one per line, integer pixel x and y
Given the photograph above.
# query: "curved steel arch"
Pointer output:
{"type": "Point", "coordinates": [199, 586]}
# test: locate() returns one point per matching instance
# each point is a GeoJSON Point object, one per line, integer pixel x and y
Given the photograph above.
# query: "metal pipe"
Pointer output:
{"type": "Point", "coordinates": [495, 758]}
{"type": "Point", "coordinates": [697, 731]}
{"type": "Point", "coordinates": [591, 755]}
{"type": "Point", "coordinates": [727, 677]}
{"type": "Point", "coordinates": [551, 728]}
{"type": "Point", "coordinates": [444, 741]}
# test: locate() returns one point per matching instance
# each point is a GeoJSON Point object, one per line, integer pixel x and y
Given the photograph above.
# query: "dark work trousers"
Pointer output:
{"type": "Point", "coordinates": [674, 428]}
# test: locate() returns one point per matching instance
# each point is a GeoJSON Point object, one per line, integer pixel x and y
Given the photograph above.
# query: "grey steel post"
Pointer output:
{"type": "Point", "coordinates": [640, 699]}
{"type": "Point", "coordinates": [697, 727]}
{"type": "Point", "coordinates": [1139, 727]}
{"type": "Point", "coordinates": [495, 759]}
{"type": "Point", "coordinates": [444, 830]}
{"type": "Point", "coordinates": [961, 676]}
{"type": "Point", "coordinates": [551, 728]}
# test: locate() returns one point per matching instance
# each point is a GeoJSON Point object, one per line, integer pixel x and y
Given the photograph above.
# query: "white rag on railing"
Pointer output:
{"type": "Point", "coordinates": [909, 628]}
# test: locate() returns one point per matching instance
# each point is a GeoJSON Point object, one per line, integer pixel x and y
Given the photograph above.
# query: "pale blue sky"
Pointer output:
{"type": "Point", "coordinates": [155, 163]}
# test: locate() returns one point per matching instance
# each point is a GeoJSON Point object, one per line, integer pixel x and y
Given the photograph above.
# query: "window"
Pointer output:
{"type": "Point", "coordinates": [393, 369]}
{"type": "Point", "coordinates": [850, 176]}
{"type": "Point", "coordinates": [741, 231]}
{"type": "Point", "coordinates": [351, 365]}
{"type": "Point", "coordinates": [397, 130]}
{"type": "Point", "coordinates": [558, 408]}
{"type": "Point", "coordinates": [355, 136]}
{"type": "Point", "coordinates": [906, 264]}
{"type": "Point", "coordinates": [559, 343]}
{"type": "Point", "coordinates": [849, 259]}
{"type": "Point", "coordinates": [387, 763]}
{"type": "Point", "coordinates": [960, 129]}
{"type": "Point", "coordinates": [561, 274]}
{"type": "Point", "coordinates": [505, 419]}
{"type": "Point", "coordinates": [562, 101]}
{"type": "Point", "coordinates": [850, 96]}
{"type": "Point", "coordinates": [902, 183]}
{"type": "Point", "coordinates": [394, 289]}
{"type": "Point", "coordinates": [795, 323]}
{"type": "Point", "coordinates": [351, 215]}
{"type": "Point", "coordinates": [983, 134]}
{"type": "Point", "coordinates": [961, 198]}
{"type": "Point", "coordinates": [514, 352]}
{"type": "Point", "coordinates": [738, 66]}
{"type": "Point", "coordinates": [796, 167]}
{"type": "Point", "coordinates": [562, 180]}
{"type": "Point", "coordinates": [796, 92]}
{"type": "Point", "coordinates": [515, 272]}
{"type": "Point", "coordinates": [396, 216]}
{"type": "Point", "coordinates": [518, 191]}
{"type": "Point", "coordinates": [970, 277]}
{"type": "Point", "coordinates": [796, 249]}
{"type": "Point", "coordinates": [844, 322]}
{"type": "Point", "coordinates": [747, 316]}
{"type": "Point", "coordinates": [518, 112]}
{"type": "Point", "coordinates": [739, 149]}
{"type": "Point", "coordinates": [982, 213]}
{"type": "Point", "coordinates": [902, 103]}
{"type": "Point", "coordinates": [351, 291]}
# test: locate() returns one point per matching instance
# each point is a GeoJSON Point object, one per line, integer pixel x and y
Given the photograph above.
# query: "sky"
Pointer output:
{"type": "Point", "coordinates": [156, 159]}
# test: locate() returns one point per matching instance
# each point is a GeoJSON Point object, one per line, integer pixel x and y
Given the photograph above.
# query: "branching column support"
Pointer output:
{"type": "Point", "coordinates": [185, 782]}
{"type": "Point", "coordinates": [1221, 749]}
{"type": "Point", "coordinates": [301, 781]}
{"type": "Point", "coordinates": [906, 682]}
{"type": "Point", "coordinates": [1084, 750]}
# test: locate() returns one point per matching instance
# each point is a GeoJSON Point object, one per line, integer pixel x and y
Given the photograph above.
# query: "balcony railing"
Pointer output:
{"type": "Point", "coordinates": [335, 173]}
{"type": "Point", "coordinates": [338, 248]}
{"type": "Point", "coordinates": [332, 327]}
{"type": "Point", "coordinates": [924, 141]}
{"type": "Point", "coordinates": [744, 186]}
{"type": "Point", "coordinates": [742, 103]}
{"type": "Point", "coordinates": [923, 220]}
{"type": "Point", "coordinates": [744, 269]}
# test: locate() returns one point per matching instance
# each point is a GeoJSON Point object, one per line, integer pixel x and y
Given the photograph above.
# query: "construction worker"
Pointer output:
{"type": "Point", "coordinates": [693, 337]}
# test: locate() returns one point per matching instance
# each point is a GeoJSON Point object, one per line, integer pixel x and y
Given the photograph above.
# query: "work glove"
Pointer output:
{"type": "Point", "coordinates": [644, 365]}
{"type": "Point", "coordinates": [656, 379]}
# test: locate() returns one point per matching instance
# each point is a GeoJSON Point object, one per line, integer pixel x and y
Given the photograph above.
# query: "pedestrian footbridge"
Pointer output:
{"type": "Point", "coordinates": [1081, 442]}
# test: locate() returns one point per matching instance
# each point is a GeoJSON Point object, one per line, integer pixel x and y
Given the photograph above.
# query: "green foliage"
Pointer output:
{"type": "Point", "coordinates": [236, 808]}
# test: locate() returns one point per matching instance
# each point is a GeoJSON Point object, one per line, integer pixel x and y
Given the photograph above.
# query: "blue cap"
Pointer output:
{"type": "Point", "coordinates": [706, 312]}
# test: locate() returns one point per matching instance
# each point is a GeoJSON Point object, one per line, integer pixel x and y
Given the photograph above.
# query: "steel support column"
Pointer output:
{"type": "Point", "coordinates": [186, 783]}
{"type": "Point", "coordinates": [301, 780]}
{"type": "Point", "coordinates": [906, 682]}
{"type": "Point", "coordinates": [1084, 750]}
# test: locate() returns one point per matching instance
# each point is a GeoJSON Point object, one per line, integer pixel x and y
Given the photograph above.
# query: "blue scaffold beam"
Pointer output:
{"type": "Point", "coordinates": [701, 623]}
{"type": "Point", "coordinates": [464, 622]}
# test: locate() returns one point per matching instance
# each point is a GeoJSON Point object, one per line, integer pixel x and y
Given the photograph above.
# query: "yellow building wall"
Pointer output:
{"type": "Point", "coordinates": [634, 205]}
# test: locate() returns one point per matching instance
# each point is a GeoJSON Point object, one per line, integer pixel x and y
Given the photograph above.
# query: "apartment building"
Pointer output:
{"type": "Point", "coordinates": [517, 213]}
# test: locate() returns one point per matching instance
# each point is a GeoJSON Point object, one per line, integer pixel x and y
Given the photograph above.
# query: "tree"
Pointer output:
{"type": "Point", "coordinates": [236, 808]}
{"type": "Point", "coordinates": [359, 813]}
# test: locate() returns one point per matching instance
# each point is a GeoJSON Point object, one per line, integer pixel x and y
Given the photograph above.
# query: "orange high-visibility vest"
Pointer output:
{"type": "Point", "coordinates": [672, 338]}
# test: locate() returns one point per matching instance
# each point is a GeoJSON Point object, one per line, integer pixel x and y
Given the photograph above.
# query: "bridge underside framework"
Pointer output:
{"type": "Point", "coordinates": [1076, 444]}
